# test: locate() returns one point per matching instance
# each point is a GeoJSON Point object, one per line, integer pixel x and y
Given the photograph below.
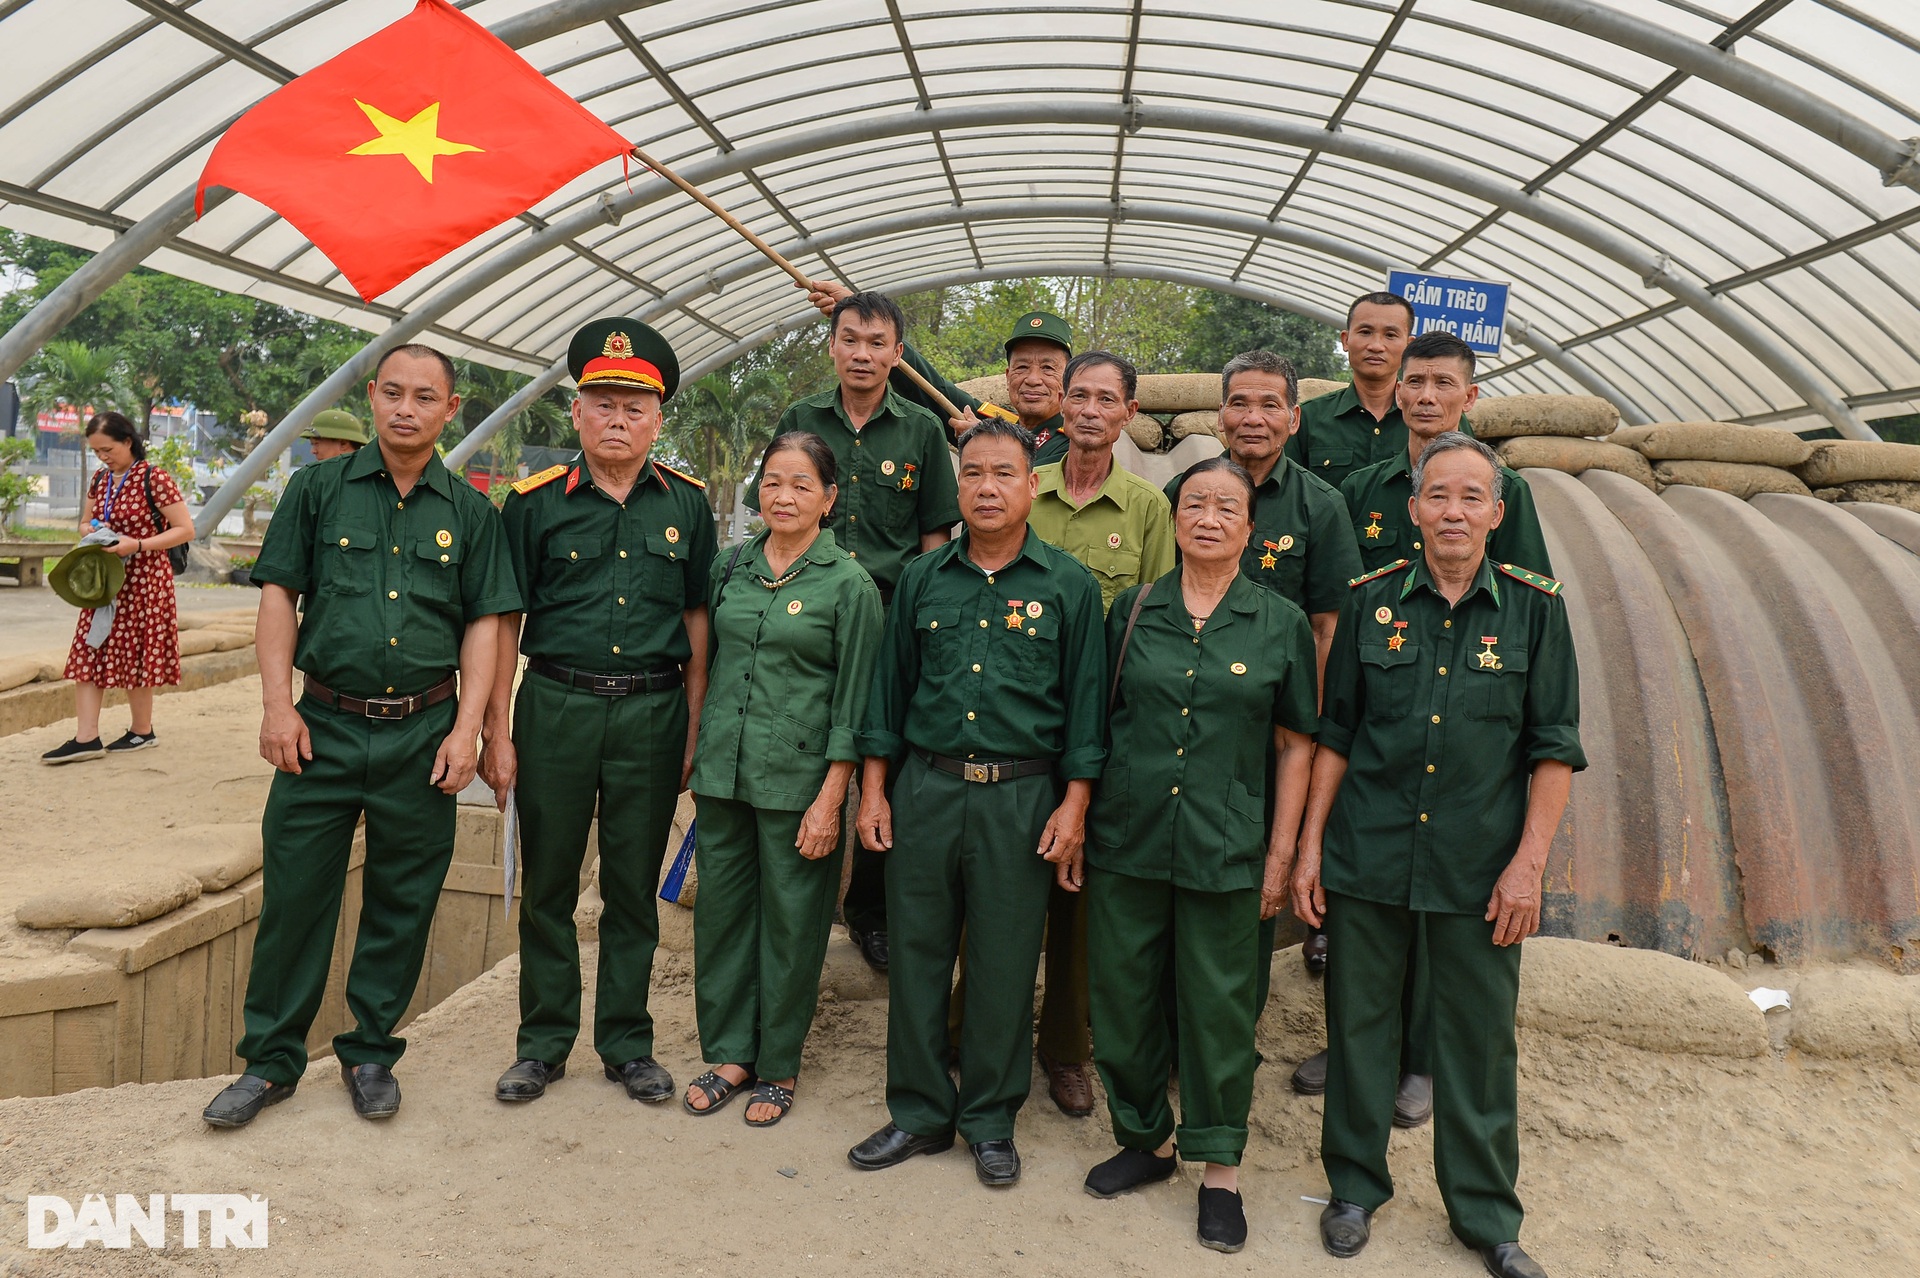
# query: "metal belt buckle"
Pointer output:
{"type": "Point", "coordinates": [982, 771]}
{"type": "Point", "coordinates": [612, 685]}
{"type": "Point", "coordinates": [387, 707]}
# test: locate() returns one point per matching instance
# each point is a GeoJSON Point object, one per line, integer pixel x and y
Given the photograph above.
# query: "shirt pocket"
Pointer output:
{"type": "Point", "coordinates": [1289, 565]}
{"type": "Point", "coordinates": [1038, 645]}
{"type": "Point", "coordinates": [1329, 460]}
{"type": "Point", "coordinates": [1115, 568]}
{"type": "Point", "coordinates": [1245, 823]}
{"type": "Point", "coordinates": [572, 564]}
{"type": "Point", "coordinates": [803, 736]}
{"type": "Point", "coordinates": [1387, 538]}
{"type": "Point", "coordinates": [940, 639]}
{"type": "Point", "coordinates": [1497, 692]}
{"type": "Point", "coordinates": [1112, 808]}
{"type": "Point", "coordinates": [436, 571]}
{"type": "Point", "coordinates": [663, 571]}
{"type": "Point", "coordinates": [1387, 677]}
{"type": "Point", "coordinates": [347, 560]}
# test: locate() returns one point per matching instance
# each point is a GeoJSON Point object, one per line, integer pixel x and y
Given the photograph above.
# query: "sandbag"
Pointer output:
{"type": "Point", "coordinates": [133, 897]}
{"type": "Point", "coordinates": [1146, 433]}
{"type": "Point", "coordinates": [1505, 416]}
{"type": "Point", "coordinates": [1847, 461]}
{"type": "Point", "coordinates": [1315, 387]}
{"type": "Point", "coordinates": [991, 389]}
{"type": "Point", "coordinates": [219, 856]}
{"type": "Point", "coordinates": [1179, 392]}
{"type": "Point", "coordinates": [1552, 452]}
{"type": "Point", "coordinates": [226, 640]}
{"type": "Point", "coordinates": [1194, 424]}
{"type": "Point", "coordinates": [16, 671]}
{"type": "Point", "coordinates": [1886, 492]}
{"type": "Point", "coordinates": [1642, 998]}
{"type": "Point", "coordinates": [1740, 480]}
{"type": "Point", "coordinates": [1715, 441]}
{"type": "Point", "coordinates": [195, 642]}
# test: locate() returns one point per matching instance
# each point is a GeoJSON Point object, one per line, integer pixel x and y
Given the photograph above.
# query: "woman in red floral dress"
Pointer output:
{"type": "Point", "coordinates": [142, 651]}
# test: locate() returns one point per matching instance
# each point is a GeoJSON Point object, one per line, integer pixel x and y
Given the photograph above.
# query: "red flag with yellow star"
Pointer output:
{"type": "Point", "coordinates": [408, 145]}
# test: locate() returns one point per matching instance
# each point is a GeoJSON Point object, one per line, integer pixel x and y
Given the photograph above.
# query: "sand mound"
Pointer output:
{"type": "Point", "coordinates": [1641, 998]}
{"type": "Point", "coordinates": [1858, 1014]}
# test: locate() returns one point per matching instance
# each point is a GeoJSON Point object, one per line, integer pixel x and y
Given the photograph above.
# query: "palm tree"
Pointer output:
{"type": "Point", "coordinates": [720, 423]}
{"type": "Point", "coordinates": [81, 378]}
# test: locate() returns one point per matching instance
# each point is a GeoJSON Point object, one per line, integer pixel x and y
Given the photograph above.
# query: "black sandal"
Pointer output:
{"type": "Point", "coordinates": [717, 1090]}
{"type": "Point", "coordinates": [765, 1093]}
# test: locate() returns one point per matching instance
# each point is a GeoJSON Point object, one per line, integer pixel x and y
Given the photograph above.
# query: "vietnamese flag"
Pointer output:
{"type": "Point", "coordinates": [408, 145]}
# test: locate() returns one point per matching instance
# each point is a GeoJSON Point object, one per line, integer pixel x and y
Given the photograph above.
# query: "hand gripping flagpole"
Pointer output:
{"type": "Point", "coordinates": [799, 277]}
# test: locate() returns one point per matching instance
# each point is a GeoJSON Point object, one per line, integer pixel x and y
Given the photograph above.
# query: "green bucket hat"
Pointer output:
{"type": "Point", "coordinates": [88, 576]}
{"type": "Point", "coordinates": [336, 423]}
{"type": "Point", "coordinates": [1044, 325]}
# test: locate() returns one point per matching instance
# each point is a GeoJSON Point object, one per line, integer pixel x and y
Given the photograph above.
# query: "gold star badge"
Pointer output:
{"type": "Point", "coordinates": [417, 139]}
{"type": "Point", "coordinates": [1373, 529]}
{"type": "Point", "coordinates": [1398, 639]}
{"type": "Point", "coordinates": [1013, 620]}
{"type": "Point", "coordinates": [1488, 659]}
{"type": "Point", "coordinates": [1267, 560]}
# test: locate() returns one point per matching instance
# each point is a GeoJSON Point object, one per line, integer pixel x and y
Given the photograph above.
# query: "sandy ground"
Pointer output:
{"type": "Point", "coordinates": [1634, 1162]}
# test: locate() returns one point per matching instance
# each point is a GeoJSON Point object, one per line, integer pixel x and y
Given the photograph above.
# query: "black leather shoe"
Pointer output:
{"type": "Point", "coordinates": [1310, 1076]}
{"type": "Point", "coordinates": [373, 1088]}
{"type": "Point", "coordinates": [1314, 952]}
{"type": "Point", "coordinates": [1344, 1228]}
{"type": "Point", "coordinates": [527, 1080]}
{"type": "Point", "coordinates": [241, 1101]}
{"type": "Point", "coordinates": [1129, 1170]}
{"type": "Point", "coordinates": [1506, 1260]}
{"type": "Point", "coordinates": [644, 1078]}
{"type": "Point", "coordinates": [1223, 1220]}
{"type": "Point", "coordinates": [996, 1162]}
{"type": "Point", "coordinates": [873, 947]}
{"type": "Point", "coordinates": [889, 1147]}
{"type": "Point", "coordinates": [1413, 1105]}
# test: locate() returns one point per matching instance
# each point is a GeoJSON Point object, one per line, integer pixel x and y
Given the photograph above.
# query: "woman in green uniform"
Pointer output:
{"type": "Point", "coordinates": [1191, 843]}
{"type": "Point", "coordinates": [796, 624]}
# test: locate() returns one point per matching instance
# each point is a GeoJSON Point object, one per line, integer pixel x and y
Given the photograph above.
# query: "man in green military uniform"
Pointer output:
{"type": "Point", "coordinates": [612, 554]}
{"type": "Point", "coordinates": [1448, 743]}
{"type": "Point", "coordinates": [896, 502]}
{"type": "Point", "coordinates": [988, 700]}
{"type": "Point", "coordinates": [1359, 424]}
{"type": "Point", "coordinates": [401, 567]}
{"type": "Point", "coordinates": [1119, 525]}
{"type": "Point", "coordinates": [1436, 390]}
{"type": "Point", "coordinates": [1038, 349]}
{"type": "Point", "coordinates": [334, 432]}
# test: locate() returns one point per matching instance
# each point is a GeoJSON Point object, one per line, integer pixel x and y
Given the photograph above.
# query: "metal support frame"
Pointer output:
{"type": "Point", "coordinates": [515, 404]}
{"type": "Point", "coordinates": [1579, 370]}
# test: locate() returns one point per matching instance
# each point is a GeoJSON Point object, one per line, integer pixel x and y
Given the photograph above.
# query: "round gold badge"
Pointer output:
{"type": "Point", "coordinates": [1383, 614]}
{"type": "Point", "coordinates": [673, 535]}
{"type": "Point", "coordinates": [1238, 667]}
{"type": "Point", "coordinates": [886, 467]}
{"type": "Point", "coordinates": [443, 539]}
{"type": "Point", "coordinates": [1035, 322]}
{"type": "Point", "coordinates": [1113, 539]}
{"type": "Point", "coordinates": [1286, 542]}
{"type": "Point", "coordinates": [1034, 609]}
{"type": "Point", "coordinates": [793, 608]}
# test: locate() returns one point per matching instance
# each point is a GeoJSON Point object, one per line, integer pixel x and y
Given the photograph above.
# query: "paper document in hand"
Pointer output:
{"type": "Point", "coordinates": [509, 845]}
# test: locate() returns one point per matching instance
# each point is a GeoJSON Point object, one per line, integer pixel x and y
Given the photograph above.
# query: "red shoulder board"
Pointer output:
{"type": "Point", "coordinates": [1534, 579]}
{"type": "Point", "coordinates": [1395, 566]}
{"type": "Point", "coordinates": [534, 481]}
{"type": "Point", "coordinates": [680, 473]}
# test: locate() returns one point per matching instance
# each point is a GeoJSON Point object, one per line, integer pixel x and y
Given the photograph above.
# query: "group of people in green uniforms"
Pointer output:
{"type": "Point", "coordinates": [1053, 706]}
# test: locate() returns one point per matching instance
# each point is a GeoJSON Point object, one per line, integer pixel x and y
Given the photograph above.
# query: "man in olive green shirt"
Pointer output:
{"type": "Point", "coordinates": [1359, 424]}
{"type": "Point", "coordinates": [401, 567]}
{"type": "Point", "coordinates": [896, 502]}
{"type": "Point", "coordinates": [1436, 391]}
{"type": "Point", "coordinates": [612, 553]}
{"type": "Point", "coordinates": [988, 697]}
{"type": "Point", "coordinates": [1448, 741]}
{"type": "Point", "coordinates": [1038, 349]}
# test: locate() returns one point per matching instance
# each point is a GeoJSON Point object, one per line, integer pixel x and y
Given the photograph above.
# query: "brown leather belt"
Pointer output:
{"type": "Point", "coordinates": [383, 707]}
{"type": "Point", "coordinates": [973, 770]}
{"type": "Point", "coordinates": [608, 685]}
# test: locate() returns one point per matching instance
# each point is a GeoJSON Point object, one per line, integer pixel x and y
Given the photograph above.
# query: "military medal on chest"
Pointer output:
{"type": "Point", "coordinates": [1013, 613]}
{"type": "Point", "coordinates": [1398, 639]}
{"type": "Point", "coordinates": [1267, 559]}
{"type": "Point", "coordinates": [906, 480]}
{"type": "Point", "coordinates": [1373, 529]}
{"type": "Point", "coordinates": [1488, 658]}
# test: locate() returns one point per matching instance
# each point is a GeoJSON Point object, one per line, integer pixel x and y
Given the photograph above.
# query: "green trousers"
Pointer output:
{"type": "Point", "coordinates": [1064, 1015]}
{"type": "Point", "coordinates": [964, 855]}
{"type": "Point", "coordinates": [1474, 990]}
{"type": "Point", "coordinates": [760, 927]}
{"type": "Point", "coordinates": [359, 765]}
{"type": "Point", "coordinates": [1140, 932]}
{"type": "Point", "coordinates": [578, 752]}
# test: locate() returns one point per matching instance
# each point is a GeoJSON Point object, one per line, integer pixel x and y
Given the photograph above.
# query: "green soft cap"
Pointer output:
{"type": "Point", "coordinates": [88, 576]}
{"type": "Point", "coordinates": [336, 423]}
{"type": "Point", "coordinates": [1044, 325]}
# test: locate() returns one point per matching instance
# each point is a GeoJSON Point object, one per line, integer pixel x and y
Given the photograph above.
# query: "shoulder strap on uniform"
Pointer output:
{"type": "Point", "coordinates": [681, 473]}
{"type": "Point", "coordinates": [1534, 579]}
{"type": "Point", "coordinates": [1364, 578]}
{"type": "Point", "coordinates": [1133, 616]}
{"type": "Point", "coordinates": [531, 482]}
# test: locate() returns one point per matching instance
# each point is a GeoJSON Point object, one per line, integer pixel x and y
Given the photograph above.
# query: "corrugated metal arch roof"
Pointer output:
{"type": "Point", "coordinates": [1708, 208]}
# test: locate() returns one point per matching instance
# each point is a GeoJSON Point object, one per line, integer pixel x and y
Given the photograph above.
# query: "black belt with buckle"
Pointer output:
{"type": "Point", "coordinates": [382, 707]}
{"type": "Point", "coordinates": [1000, 770]}
{"type": "Point", "coordinates": [608, 685]}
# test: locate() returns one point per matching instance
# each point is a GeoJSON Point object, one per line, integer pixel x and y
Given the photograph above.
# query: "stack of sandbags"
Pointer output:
{"type": "Point", "coordinates": [1194, 424]}
{"type": "Point", "coordinates": [1179, 392]}
{"type": "Point", "coordinates": [1315, 387]}
{"type": "Point", "coordinates": [1146, 432]}
{"type": "Point", "coordinates": [1857, 470]}
{"type": "Point", "coordinates": [1740, 460]}
{"type": "Point", "coordinates": [988, 390]}
{"type": "Point", "coordinates": [1575, 416]}
{"type": "Point", "coordinates": [1555, 452]}
{"type": "Point", "coordinates": [18, 671]}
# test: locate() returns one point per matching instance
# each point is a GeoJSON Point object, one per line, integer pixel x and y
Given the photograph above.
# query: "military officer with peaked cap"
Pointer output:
{"type": "Point", "coordinates": [334, 433]}
{"type": "Point", "coordinates": [402, 568]}
{"type": "Point", "coordinates": [612, 552]}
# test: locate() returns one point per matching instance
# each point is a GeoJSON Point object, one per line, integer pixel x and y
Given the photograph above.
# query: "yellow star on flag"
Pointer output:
{"type": "Point", "coordinates": [418, 139]}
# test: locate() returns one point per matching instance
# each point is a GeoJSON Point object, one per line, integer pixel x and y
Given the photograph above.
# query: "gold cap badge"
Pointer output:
{"type": "Point", "coordinates": [618, 346]}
